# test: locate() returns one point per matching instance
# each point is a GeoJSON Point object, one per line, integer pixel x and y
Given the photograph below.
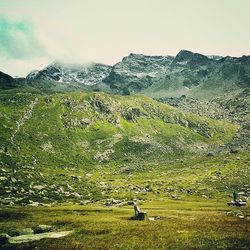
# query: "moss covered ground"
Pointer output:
{"type": "Point", "coordinates": [182, 225]}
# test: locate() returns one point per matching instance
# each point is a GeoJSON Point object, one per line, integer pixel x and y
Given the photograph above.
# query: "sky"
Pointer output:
{"type": "Point", "coordinates": [33, 33]}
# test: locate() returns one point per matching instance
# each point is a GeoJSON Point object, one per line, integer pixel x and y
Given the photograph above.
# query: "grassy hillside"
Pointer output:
{"type": "Point", "coordinates": [84, 129]}
{"type": "Point", "coordinates": [50, 143]}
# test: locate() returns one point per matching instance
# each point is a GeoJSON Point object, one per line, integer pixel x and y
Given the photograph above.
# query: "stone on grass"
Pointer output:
{"type": "Point", "coordinates": [24, 231]}
{"type": "Point", "coordinates": [85, 202]}
{"type": "Point", "coordinates": [175, 197]}
{"type": "Point", "coordinates": [35, 237]}
{"type": "Point", "coordinates": [39, 187]}
{"type": "Point", "coordinates": [33, 204]}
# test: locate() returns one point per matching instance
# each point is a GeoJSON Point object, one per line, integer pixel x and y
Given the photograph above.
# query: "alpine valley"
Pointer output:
{"type": "Point", "coordinates": [165, 131]}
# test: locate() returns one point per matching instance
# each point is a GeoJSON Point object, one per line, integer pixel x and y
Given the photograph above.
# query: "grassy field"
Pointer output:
{"type": "Point", "coordinates": [187, 224]}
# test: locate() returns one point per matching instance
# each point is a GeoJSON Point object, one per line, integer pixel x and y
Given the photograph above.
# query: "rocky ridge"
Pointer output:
{"type": "Point", "coordinates": [187, 73]}
{"type": "Point", "coordinates": [87, 74]}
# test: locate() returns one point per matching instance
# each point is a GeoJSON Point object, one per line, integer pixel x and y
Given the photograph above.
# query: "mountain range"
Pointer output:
{"type": "Point", "coordinates": [187, 73]}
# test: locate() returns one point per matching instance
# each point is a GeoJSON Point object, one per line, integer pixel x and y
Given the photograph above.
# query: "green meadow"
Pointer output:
{"type": "Point", "coordinates": [194, 224]}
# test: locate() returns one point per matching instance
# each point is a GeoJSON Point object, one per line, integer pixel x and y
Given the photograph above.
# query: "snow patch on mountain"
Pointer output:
{"type": "Point", "coordinates": [87, 74]}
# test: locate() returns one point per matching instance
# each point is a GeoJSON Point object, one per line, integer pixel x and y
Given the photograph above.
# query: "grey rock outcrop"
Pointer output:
{"type": "Point", "coordinates": [87, 74]}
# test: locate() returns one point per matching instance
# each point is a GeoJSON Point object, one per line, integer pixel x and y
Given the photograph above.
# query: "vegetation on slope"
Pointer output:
{"type": "Point", "coordinates": [82, 129]}
{"type": "Point", "coordinates": [50, 143]}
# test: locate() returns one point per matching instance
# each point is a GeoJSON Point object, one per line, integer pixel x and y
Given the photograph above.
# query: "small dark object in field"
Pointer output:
{"type": "Point", "coordinates": [42, 229]}
{"type": "Point", "coordinates": [237, 203]}
{"type": "Point", "coordinates": [4, 238]}
{"type": "Point", "coordinates": [139, 215]}
{"type": "Point", "coordinates": [210, 154]}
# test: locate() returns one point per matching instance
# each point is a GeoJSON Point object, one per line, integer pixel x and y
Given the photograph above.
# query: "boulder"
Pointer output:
{"type": "Point", "coordinates": [39, 187]}
{"type": "Point", "coordinates": [34, 237]}
{"type": "Point", "coordinates": [175, 197]}
{"type": "Point", "coordinates": [33, 204]}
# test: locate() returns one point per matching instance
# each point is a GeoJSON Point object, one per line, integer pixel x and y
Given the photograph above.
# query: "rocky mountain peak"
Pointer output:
{"type": "Point", "coordinates": [137, 71]}
{"type": "Point", "coordinates": [185, 57]}
{"type": "Point", "coordinates": [88, 74]}
{"type": "Point", "coordinates": [187, 73]}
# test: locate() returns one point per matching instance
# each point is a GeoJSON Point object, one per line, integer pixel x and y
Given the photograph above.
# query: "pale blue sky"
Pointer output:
{"type": "Point", "coordinates": [36, 32]}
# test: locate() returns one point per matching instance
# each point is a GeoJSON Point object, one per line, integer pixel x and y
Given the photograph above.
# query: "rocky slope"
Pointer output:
{"type": "Point", "coordinates": [233, 107]}
{"type": "Point", "coordinates": [198, 76]}
{"type": "Point", "coordinates": [137, 72]}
